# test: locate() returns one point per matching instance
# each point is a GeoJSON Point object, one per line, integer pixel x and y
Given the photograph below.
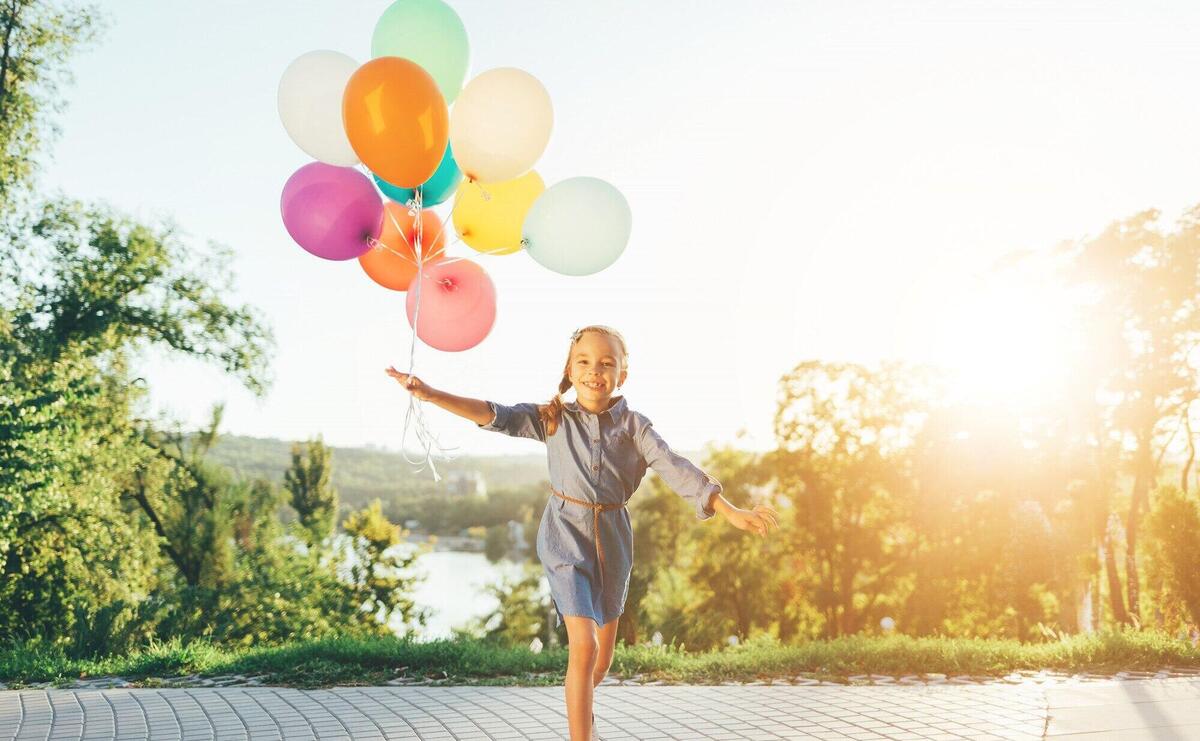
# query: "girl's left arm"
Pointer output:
{"type": "Point", "coordinates": [692, 483]}
{"type": "Point", "coordinates": [685, 478]}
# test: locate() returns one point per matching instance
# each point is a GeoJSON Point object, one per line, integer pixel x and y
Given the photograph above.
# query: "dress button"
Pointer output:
{"type": "Point", "coordinates": [595, 439]}
{"type": "Point", "coordinates": [595, 468]}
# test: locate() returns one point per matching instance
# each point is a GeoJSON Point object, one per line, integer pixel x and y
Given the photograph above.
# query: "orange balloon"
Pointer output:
{"type": "Point", "coordinates": [396, 120]}
{"type": "Point", "coordinates": [394, 271]}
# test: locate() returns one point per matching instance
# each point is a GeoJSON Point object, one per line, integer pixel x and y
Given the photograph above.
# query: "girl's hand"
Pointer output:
{"type": "Point", "coordinates": [762, 519]}
{"type": "Point", "coordinates": [412, 384]}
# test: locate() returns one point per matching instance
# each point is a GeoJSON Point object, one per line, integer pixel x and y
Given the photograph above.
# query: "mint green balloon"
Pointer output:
{"type": "Point", "coordinates": [429, 33]}
{"type": "Point", "coordinates": [578, 227]}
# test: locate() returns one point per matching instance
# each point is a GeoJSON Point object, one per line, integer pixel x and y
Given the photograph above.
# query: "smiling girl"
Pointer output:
{"type": "Point", "coordinates": [598, 451]}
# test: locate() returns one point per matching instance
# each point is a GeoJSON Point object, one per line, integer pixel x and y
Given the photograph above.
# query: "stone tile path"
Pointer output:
{"type": "Point", "coordinates": [1130, 709]}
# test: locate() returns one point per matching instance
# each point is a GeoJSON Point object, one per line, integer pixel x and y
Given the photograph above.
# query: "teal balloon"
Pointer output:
{"type": "Point", "coordinates": [578, 227]}
{"type": "Point", "coordinates": [440, 186]}
{"type": "Point", "coordinates": [429, 33]}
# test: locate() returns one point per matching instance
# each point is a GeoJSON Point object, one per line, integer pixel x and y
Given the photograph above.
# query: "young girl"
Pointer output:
{"type": "Point", "coordinates": [598, 451]}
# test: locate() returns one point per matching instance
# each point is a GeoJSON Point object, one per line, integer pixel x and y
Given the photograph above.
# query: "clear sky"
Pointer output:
{"type": "Point", "coordinates": [808, 180]}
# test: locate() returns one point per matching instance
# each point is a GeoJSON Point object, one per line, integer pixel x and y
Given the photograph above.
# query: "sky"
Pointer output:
{"type": "Point", "coordinates": [808, 180]}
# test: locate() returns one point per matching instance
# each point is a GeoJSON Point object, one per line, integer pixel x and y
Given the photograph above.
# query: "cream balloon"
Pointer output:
{"type": "Point", "coordinates": [500, 125]}
{"type": "Point", "coordinates": [310, 105]}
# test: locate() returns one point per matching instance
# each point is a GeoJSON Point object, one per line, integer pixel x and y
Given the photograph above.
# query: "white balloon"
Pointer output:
{"type": "Point", "coordinates": [578, 226]}
{"type": "Point", "coordinates": [310, 105]}
{"type": "Point", "coordinates": [500, 125]}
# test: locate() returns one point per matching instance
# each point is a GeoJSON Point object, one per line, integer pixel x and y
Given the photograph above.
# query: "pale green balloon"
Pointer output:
{"type": "Point", "coordinates": [429, 33]}
{"type": "Point", "coordinates": [579, 226]}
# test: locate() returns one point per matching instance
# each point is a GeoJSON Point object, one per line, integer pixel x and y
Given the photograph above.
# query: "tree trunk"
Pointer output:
{"type": "Point", "coordinates": [627, 630]}
{"type": "Point", "coordinates": [138, 492]}
{"type": "Point", "coordinates": [1191, 441]}
{"type": "Point", "coordinates": [1116, 595]}
{"type": "Point", "coordinates": [1143, 475]}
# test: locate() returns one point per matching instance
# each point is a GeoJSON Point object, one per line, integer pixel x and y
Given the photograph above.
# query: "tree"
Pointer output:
{"type": "Point", "coordinates": [1003, 520]}
{"type": "Point", "coordinates": [523, 612]}
{"type": "Point", "coordinates": [36, 38]}
{"type": "Point", "coordinates": [497, 543]}
{"type": "Point", "coordinates": [103, 288]}
{"type": "Point", "coordinates": [843, 433]}
{"type": "Point", "coordinates": [379, 573]}
{"type": "Point", "coordinates": [190, 504]}
{"type": "Point", "coordinates": [68, 544]}
{"type": "Point", "coordinates": [739, 582]}
{"type": "Point", "coordinates": [315, 501]}
{"type": "Point", "coordinates": [1173, 526]}
{"type": "Point", "coordinates": [1142, 282]}
{"type": "Point", "coordinates": [661, 520]}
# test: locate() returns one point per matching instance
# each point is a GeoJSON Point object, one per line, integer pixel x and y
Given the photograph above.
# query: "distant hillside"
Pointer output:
{"type": "Point", "coordinates": [362, 474]}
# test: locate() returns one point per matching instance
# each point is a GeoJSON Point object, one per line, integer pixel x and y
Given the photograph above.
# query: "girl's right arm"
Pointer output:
{"type": "Point", "coordinates": [476, 410]}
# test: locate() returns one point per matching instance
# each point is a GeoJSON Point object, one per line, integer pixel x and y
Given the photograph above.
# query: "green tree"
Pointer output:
{"type": "Point", "coordinates": [189, 501]}
{"type": "Point", "coordinates": [497, 543]}
{"type": "Point", "coordinates": [843, 435]}
{"type": "Point", "coordinates": [739, 578]}
{"type": "Point", "coordinates": [315, 501]}
{"type": "Point", "coordinates": [661, 520]}
{"type": "Point", "coordinates": [523, 611]}
{"type": "Point", "coordinates": [380, 573]}
{"type": "Point", "coordinates": [69, 545]}
{"type": "Point", "coordinates": [72, 449]}
{"type": "Point", "coordinates": [36, 38]}
{"type": "Point", "coordinates": [1173, 527]}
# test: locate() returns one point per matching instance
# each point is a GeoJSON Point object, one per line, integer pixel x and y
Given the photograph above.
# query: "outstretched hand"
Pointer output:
{"type": "Point", "coordinates": [411, 384]}
{"type": "Point", "coordinates": [762, 519]}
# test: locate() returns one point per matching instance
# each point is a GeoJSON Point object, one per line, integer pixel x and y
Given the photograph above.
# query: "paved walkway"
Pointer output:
{"type": "Point", "coordinates": [1136, 709]}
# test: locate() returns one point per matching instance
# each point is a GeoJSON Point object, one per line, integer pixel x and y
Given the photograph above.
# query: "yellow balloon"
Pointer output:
{"type": "Point", "coordinates": [489, 216]}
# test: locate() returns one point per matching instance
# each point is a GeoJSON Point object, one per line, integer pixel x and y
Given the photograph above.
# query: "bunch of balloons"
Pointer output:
{"type": "Point", "coordinates": [393, 115]}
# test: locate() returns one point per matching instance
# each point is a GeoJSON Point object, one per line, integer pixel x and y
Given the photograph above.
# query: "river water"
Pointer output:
{"type": "Point", "coordinates": [453, 588]}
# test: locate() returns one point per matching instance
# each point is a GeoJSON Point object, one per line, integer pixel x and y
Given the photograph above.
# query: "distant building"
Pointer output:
{"type": "Point", "coordinates": [516, 533]}
{"type": "Point", "coordinates": [466, 484]}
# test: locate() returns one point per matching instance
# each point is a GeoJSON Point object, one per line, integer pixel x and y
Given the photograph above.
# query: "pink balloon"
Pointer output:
{"type": "Point", "coordinates": [333, 212]}
{"type": "Point", "coordinates": [458, 305]}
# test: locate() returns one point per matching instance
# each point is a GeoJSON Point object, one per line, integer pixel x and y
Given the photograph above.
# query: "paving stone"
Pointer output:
{"type": "Point", "coordinates": [778, 710]}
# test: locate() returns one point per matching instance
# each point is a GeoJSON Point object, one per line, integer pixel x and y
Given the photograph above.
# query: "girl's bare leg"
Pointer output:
{"type": "Point", "coordinates": [582, 647]}
{"type": "Point", "coordinates": [607, 638]}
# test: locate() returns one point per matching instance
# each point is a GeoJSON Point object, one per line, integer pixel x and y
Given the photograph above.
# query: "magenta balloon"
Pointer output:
{"type": "Point", "coordinates": [458, 305]}
{"type": "Point", "coordinates": [333, 212]}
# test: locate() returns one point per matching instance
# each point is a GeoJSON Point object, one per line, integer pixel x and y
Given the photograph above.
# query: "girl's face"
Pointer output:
{"type": "Point", "coordinates": [596, 367]}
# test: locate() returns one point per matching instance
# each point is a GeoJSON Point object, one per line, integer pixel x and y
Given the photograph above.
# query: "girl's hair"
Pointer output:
{"type": "Point", "coordinates": [551, 413]}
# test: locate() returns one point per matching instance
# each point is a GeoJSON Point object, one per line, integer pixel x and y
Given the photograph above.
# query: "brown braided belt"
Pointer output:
{"type": "Point", "coordinates": [596, 508]}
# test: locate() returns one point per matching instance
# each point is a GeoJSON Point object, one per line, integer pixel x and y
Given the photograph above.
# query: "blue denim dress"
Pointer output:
{"type": "Point", "coordinates": [597, 460]}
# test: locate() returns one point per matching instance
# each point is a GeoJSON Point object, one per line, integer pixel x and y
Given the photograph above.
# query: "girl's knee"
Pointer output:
{"type": "Point", "coordinates": [603, 662]}
{"type": "Point", "coordinates": [599, 673]}
{"type": "Point", "coordinates": [585, 649]}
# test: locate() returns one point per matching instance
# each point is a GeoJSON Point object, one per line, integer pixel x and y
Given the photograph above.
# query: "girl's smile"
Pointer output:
{"type": "Point", "coordinates": [596, 368]}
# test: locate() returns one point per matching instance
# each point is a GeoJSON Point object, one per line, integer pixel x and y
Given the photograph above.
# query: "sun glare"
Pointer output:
{"type": "Point", "coordinates": [1005, 340]}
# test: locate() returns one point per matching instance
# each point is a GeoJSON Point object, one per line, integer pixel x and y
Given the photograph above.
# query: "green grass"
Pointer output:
{"type": "Point", "coordinates": [350, 661]}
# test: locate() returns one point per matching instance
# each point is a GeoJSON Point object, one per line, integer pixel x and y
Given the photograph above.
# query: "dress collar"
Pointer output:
{"type": "Point", "coordinates": [613, 411]}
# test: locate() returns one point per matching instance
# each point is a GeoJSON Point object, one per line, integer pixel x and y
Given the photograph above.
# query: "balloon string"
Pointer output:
{"type": "Point", "coordinates": [414, 416]}
{"type": "Point", "coordinates": [411, 203]}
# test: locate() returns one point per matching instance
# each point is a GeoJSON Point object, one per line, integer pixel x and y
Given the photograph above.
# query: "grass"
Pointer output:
{"type": "Point", "coordinates": [375, 661]}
